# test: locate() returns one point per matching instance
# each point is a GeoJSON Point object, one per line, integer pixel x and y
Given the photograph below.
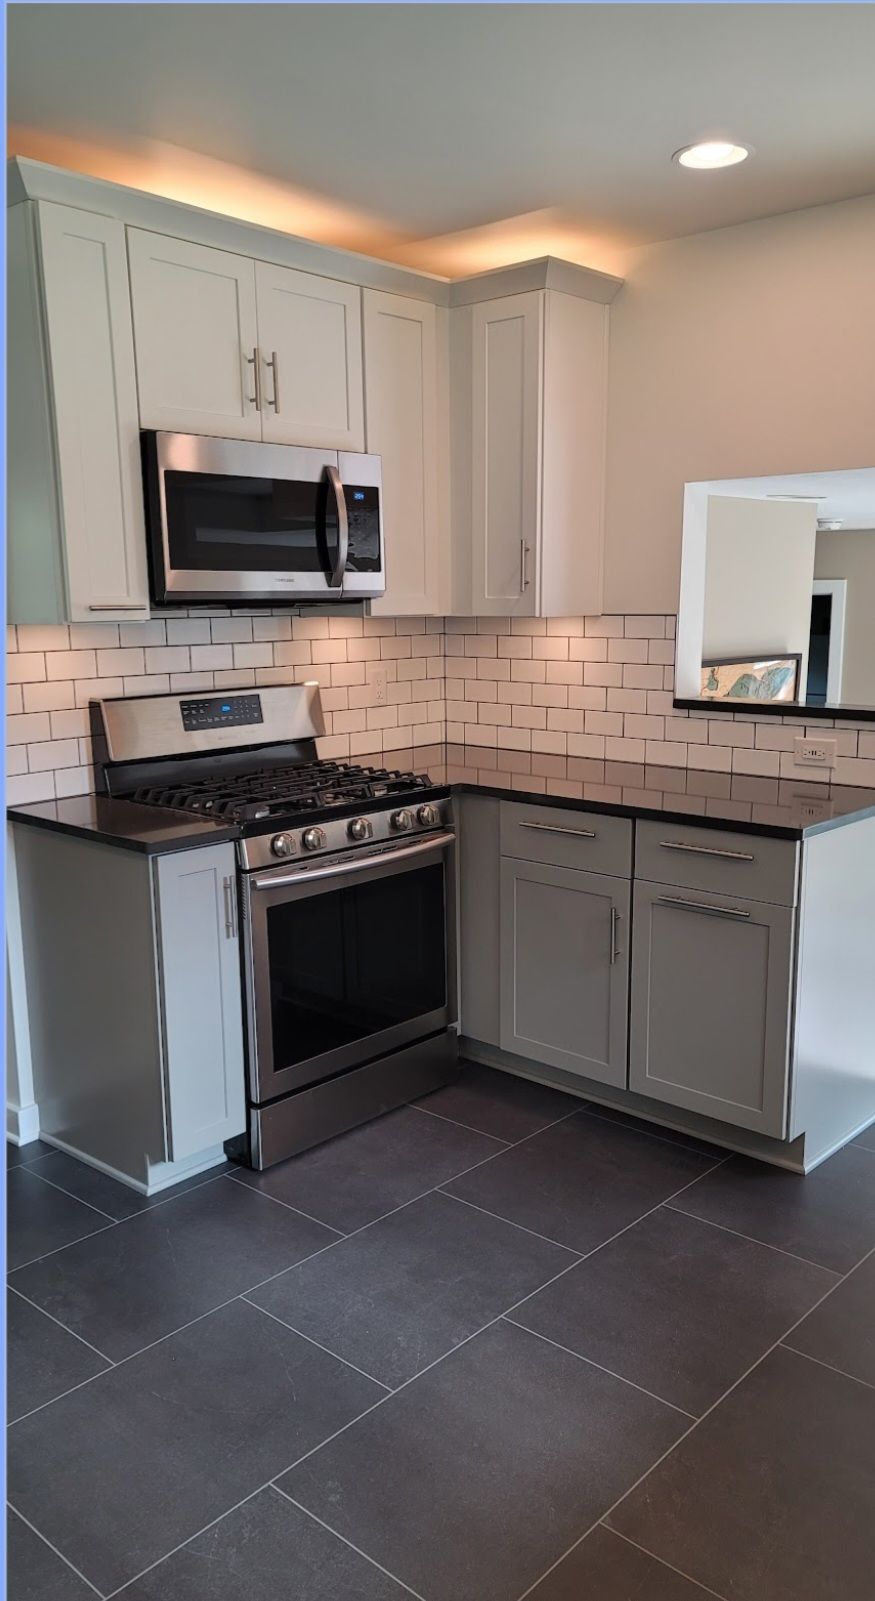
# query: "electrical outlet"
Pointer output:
{"type": "Point", "coordinates": [813, 810]}
{"type": "Point", "coordinates": [815, 752]}
{"type": "Point", "coordinates": [378, 679]}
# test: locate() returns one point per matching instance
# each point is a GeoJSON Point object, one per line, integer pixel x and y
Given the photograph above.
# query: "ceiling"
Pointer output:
{"type": "Point", "coordinates": [454, 137]}
{"type": "Point", "coordinates": [847, 496]}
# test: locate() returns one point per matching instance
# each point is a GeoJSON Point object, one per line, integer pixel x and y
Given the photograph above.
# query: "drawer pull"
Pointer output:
{"type": "Point", "coordinates": [556, 828]}
{"type": "Point", "coordinates": [707, 850]}
{"type": "Point", "coordinates": [702, 906]}
{"type": "Point", "coordinates": [615, 918]}
{"type": "Point", "coordinates": [118, 605]}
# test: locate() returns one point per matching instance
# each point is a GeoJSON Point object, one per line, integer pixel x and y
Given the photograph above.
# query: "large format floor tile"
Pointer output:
{"type": "Point", "coordinates": [470, 1482]}
{"type": "Point", "coordinates": [842, 1330]}
{"type": "Point", "coordinates": [770, 1498]}
{"type": "Point", "coordinates": [34, 1572]}
{"type": "Point", "coordinates": [120, 1472]}
{"type": "Point", "coordinates": [499, 1103]}
{"type": "Point", "coordinates": [41, 1219]}
{"type": "Point", "coordinates": [605, 1567]}
{"type": "Point", "coordinates": [145, 1277]}
{"type": "Point", "coordinates": [43, 1360]}
{"type": "Point", "coordinates": [107, 1194]}
{"type": "Point", "coordinates": [405, 1290]}
{"type": "Point", "coordinates": [581, 1181]}
{"type": "Point", "coordinates": [828, 1216]}
{"type": "Point", "coordinates": [357, 1177]}
{"type": "Point", "coordinates": [677, 1306]}
{"type": "Point", "coordinates": [267, 1550]}
{"type": "Point", "coordinates": [18, 1155]}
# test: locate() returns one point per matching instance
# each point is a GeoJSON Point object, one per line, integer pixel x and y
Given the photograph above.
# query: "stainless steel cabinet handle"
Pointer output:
{"type": "Point", "coordinates": [253, 362]}
{"type": "Point", "coordinates": [615, 918]}
{"type": "Point", "coordinates": [556, 828]}
{"type": "Point", "coordinates": [707, 850]}
{"type": "Point", "coordinates": [335, 578]}
{"type": "Point", "coordinates": [274, 366]}
{"type": "Point", "coordinates": [702, 906]}
{"type": "Point", "coordinates": [524, 577]}
{"type": "Point", "coordinates": [229, 891]}
{"type": "Point", "coordinates": [117, 605]}
{"type": "Point", "coordinates": [359, 864]}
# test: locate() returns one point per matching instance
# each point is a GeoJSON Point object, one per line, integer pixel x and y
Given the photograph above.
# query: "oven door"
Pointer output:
{"type": "Point", "coordinates": [235, 519]}
{"type": "Point", "coordinates": [346, 960]}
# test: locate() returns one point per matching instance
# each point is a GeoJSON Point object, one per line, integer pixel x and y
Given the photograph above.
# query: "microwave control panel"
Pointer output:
{"type": "Point", "coordinates": [221, 711]}
{"type": "Point", "coordinates": [363, 517]}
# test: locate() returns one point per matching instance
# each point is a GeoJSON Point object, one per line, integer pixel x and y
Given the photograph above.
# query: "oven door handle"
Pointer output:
{"type": "Point", "coordinates": [338, 570]}
{"type": "Point", "coordinates": [306, 875]}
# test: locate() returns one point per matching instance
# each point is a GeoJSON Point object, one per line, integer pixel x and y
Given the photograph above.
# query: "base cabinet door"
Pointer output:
{"type": "Point", "coordinates": [564, 968]}
{"type": "Point", "coordinates": [310, 348]}
{"type": "Point", "coordinates": [712, 984]}
{"type": "Point", "coordinates": [201, 998]}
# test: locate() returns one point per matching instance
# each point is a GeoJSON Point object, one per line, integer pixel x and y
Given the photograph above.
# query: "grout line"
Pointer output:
{"type": "Point", "coordinates": [82, 1341]}
{"type": "Point", "coordinates": [333, 1532]}
{"type": "Point", "coordinates": [591, 1109]}
{"type": "Point", "coordinates": [47, 1254]}
{"type": "Point", "coordinates": [548, 1240]}
{"type": "Point", "coordinates": [661, 1560]}
{"type": "Point", "coordinates": [135, 1577]}
{"type": "Point", "coordinates": [457, 1123]}
{"type": "Point", "coordinates": [69, 1193]}
{"type": "Point", "coordinates": [266, 1196]}
{"type": "Point", "coordinates": [290, 1327]}
{"type": "Point", "coordinates": [609, 1371]}
{"type": "Point", "coordinates": [681, 1438]}
{"type": "Point", "coordinates": [793, 1255]}
{"type": "Point", "coordinates": [66, 1561]}
{"type": "Point", "coordinates": [830, 1366]}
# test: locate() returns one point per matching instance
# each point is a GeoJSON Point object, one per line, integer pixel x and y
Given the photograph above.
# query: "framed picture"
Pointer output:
{"type": "Point", "coordinates": [758, 678]}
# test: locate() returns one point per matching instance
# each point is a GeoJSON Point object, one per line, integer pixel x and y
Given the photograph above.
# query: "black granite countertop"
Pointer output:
{"type": "Point", "coordinates": [782, 807]}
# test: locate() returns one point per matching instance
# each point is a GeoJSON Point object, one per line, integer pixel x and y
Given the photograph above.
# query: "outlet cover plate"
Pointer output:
{"type": "Point", "coordinates": [815, 752]}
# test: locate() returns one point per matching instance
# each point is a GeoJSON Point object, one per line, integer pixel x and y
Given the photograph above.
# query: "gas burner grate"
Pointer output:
{"type": "Point", "coordinates": [277, 791]}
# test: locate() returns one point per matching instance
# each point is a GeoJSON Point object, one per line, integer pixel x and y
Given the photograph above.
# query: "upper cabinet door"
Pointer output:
{"type": "Point", "coordinates": [196, 337]}
{"type": "Point", "coordinates": [401, 407]}
{"type": "Point", "coordinates": [90, 359]}
{"type": "Point", "coordinates": [310, 339]}
{"type": "Point", "coordinates": [506, 384]}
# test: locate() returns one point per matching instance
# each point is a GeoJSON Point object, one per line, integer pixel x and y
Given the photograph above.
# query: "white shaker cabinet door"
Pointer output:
{"type": "Point", "coordinates": [401, 408]}
{"type": "Point", "coordinates": [196, 337]}
{"type": "Point", "coordinates": [90, 357]}
{"type": "Point", "coordinates": [201, 1002]}
{"type": "Point", "coordinates": [310, 342]}
{"type": "Point", "coordinates": [506, 391]}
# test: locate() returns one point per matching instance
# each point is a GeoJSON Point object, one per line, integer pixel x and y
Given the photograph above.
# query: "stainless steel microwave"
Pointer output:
{"type": "Point", "coordinates": [237, 521]}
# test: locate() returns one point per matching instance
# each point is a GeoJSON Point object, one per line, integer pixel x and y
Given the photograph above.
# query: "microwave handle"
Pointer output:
{"type": "Point", "coordinates": [336, 575]}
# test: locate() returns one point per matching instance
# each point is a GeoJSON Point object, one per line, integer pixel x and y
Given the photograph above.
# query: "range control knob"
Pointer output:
{"type": "Point", "coordinates": [359, 828]}
{"type": "Point", "coordinates": [313, 838]}
{"type": "Point", "coordinates": [283, 844]}
{"type": "Point", "coordinates": [402, 820]}
{"type": "Point", "coordinates": [427, 816]}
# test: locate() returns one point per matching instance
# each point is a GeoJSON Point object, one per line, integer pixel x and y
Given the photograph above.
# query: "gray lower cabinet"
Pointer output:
{"type": "Point", "coordinates": [200, 998]}
{"type": "Point", "coordinates": [565, 968]}
{"type": "Point", "coordinates": [712, 986]}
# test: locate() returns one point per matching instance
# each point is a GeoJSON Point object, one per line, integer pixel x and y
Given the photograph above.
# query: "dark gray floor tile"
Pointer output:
{"type": "Point", "coordinates": [656, 1130]}
{"type": "Point", "coordinates": [157, 1271]}
{"type": "Point", "coordinates": [827, 1216]}
{"type": "Point", "coordinates": [107, 1194]}
{"type": "Point", "coordinates": [471, 1481]}
{"type": "Point", "coordinates": [771, 1495]}
{"type": "Point", "coordinates": [499, 1103]}
{"type": "Point", "coordinates": [866, 1140]}
{"type": "Point", "coordinates": [406, 1290]}
{"type": "Point", "coordinates": [842, 1330]}
{"type": "Point", "coordinates": [606, 1568]}
{"type": "Point", "coordinates": [581, 1181]}
{"type": "Point", "coordinates": [357, 1177]}
{"type": "Point", "coordinates": [268, 1550]}
{"type": "Point", "coordinates": [677, 1306]}
{"type": "Point", "coordinates": [34, 1572]}
{"type": "Point", "coordinates": [43, 1360]}
{"type": "Point", "coordinates": [42, 1219]}
{"type": "Point", "coordinates": [119, 1473]}
{"type": "Point", "coordinates": [18, 1155]}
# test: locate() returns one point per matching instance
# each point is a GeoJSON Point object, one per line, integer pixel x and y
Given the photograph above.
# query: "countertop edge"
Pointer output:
{"type": "Point", "coordinates": [97, 836]}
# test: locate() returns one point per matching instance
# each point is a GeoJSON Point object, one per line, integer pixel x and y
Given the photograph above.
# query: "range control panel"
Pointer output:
{"type": "Point", "coordinates": [221, 711]}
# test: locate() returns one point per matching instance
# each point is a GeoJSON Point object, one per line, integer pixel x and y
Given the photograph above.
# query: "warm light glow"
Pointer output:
{"type": "Point", "coordinates": [713, 153]}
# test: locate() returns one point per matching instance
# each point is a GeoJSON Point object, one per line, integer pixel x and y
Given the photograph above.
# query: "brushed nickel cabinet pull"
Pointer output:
{"type": "Point", "coordinates": [707, 850]}
{"type": "Point", "coordinates": [228, 890]}
{"type": "Point", "coordinates": [615, 918]}
{"type": "Point", "coordinates": [274, 365]}
{"type": "Point", "coordinates": [253, 362]}
{"type": "Point", "coordinates": [524, 577]}
{"type": "Point", "coordinates": [117, 605]}
{"type": "Point", "coordinates": [556, 828]}
{"type": "Point", "coordinates": [702, 906]}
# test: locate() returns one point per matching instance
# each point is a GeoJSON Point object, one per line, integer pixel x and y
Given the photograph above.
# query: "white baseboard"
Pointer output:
{"type": "Point", "coordinates": [22, 1123]}
{"type": "Point", "coordinates": [161, 1174]}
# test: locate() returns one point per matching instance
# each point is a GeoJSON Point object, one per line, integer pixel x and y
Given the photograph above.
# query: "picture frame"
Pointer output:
{"type": "Point", "coordinates": [769, 677]}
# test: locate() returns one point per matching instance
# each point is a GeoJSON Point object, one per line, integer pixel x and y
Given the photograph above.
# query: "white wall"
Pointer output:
{"type": "Point", "coordinates": [759, 568]}
{"type": "Point", "coordinates": [740, 352]}
{"type": "Point", "coordinates": [849, 553]}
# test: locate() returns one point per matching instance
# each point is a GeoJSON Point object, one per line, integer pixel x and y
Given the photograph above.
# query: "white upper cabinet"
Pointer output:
{"type": "Point", "coordinates": [77, 549]}
{"type": "Point", "coordinates": [506, 413]}
{"type": "Point", "coordinates": [310, 345]}
{"type": "Point", "coordinates": [196, 337]}
{"type": "Point", "coordinates": [406, 428]}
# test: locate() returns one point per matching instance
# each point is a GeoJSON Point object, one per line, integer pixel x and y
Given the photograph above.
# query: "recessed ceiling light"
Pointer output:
{"type": "Point", "coordinates": [712, 153]}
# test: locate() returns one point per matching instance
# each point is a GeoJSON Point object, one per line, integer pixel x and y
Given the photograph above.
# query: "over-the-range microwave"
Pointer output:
{"type": "Point", "coordinates": [237, 521]}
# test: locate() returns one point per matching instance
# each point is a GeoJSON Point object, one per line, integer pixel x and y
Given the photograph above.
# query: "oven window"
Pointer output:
{"type": "Point", "coordinates": [352, 961]}
{"type": "Point", "coordinates": [218, 523]}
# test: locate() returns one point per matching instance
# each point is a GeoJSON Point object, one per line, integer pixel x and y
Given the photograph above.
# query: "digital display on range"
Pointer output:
{"type": "Point", "coordinates": [221, 711]}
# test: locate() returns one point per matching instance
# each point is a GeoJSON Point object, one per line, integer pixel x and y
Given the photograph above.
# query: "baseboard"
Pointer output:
{"type": "Point", "coordinates": [22, 1123]}
{"type": "Point", "coordinates": [161, 1174]}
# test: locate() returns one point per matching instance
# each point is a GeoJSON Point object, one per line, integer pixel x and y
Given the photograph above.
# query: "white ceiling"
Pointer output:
{"type": "Point", "coordinates": [455, 136]}
{"type": "Point", "coordinates": [848, 496]}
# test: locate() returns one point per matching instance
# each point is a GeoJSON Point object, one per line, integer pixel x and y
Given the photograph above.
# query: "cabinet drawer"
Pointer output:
{"type": "Point", "coordinates": [567, 838]}
{"type": "Point", "coordinates": [717, 860]}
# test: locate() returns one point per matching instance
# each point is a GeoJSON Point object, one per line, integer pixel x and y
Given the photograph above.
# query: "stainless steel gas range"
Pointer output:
{"type": "Point", "coordinates": [344, 897]}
